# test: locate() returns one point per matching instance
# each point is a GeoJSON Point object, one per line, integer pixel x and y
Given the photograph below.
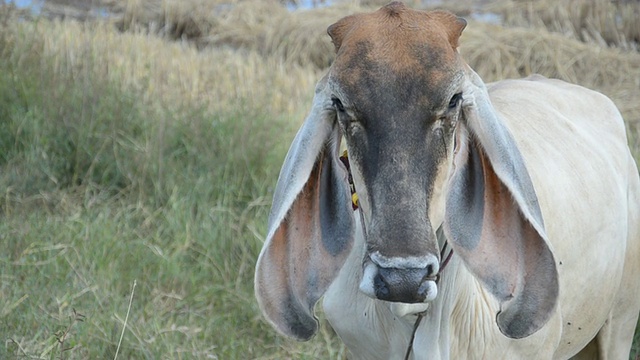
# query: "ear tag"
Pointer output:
{"type": "Point", "coordinates": [354, 196]}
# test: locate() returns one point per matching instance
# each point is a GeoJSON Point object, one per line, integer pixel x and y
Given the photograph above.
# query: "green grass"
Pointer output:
{"type": "Point", "coordinates": [193, 291]}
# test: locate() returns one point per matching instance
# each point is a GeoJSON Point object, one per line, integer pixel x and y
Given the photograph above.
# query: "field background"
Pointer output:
{"type": "Point", "coordinates": [140, 141]}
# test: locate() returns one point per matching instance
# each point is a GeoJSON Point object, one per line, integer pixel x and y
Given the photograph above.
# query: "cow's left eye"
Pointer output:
{"type": "Point", "coordinates": [337, 104]}
{"type": "Point", "coordinates": [453, 103]}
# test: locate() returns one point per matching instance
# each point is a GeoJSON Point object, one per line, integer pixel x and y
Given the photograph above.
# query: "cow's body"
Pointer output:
{"type": "Point", "coordinates": [531, 183]}
{"type": "Point", "coordinates": [598, 252]}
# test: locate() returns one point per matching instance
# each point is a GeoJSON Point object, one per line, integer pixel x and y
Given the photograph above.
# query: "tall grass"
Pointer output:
{"type": "Point", "coordinates": [127, 157]}
{"type": "Point", "coordinates": [108, 180]}
{"type": "Point", "coordinates": [265, 27]}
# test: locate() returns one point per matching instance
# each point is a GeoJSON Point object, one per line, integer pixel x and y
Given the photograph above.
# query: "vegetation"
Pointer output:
{"type": "Point", "coordinates": [143, 149]}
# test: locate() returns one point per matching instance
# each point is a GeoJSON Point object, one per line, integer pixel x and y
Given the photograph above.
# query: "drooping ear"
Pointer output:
{"type": "Point", "coordinates": [493, 219]}
{"type": "Point", "coordinates": [311, 225]}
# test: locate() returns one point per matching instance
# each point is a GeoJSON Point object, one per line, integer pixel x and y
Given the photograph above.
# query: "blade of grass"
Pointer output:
{"type": "Point", "coordinates": [126, 318]}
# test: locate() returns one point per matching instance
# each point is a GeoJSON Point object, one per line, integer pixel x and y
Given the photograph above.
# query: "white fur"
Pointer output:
{"type": "Point", "coordinates": [589, 193]}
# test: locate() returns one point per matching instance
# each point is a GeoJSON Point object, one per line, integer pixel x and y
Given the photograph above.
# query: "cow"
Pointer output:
{"type": "Point", "coordinates": [530, 183]}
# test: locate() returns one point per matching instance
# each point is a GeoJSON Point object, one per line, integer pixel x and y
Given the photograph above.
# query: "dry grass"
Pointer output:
{"type": "Point", "coordinates": [298, 38]}
{"type": "Point", "coordinates": [174, 18]}
{"type": "Point", "coordinates": [266, 27]}
{"type": "Point", "coordinates": [603, 22]}
{"type": "Point", "coordinates": [499, 53]}
{"type": "Point", "coordinates": [175, 74]}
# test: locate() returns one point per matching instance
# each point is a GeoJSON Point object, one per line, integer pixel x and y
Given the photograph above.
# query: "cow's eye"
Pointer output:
{"type": "Point", "coordinates": [337, 104]}
{"type": "Point", "coordinates": [453, 103]}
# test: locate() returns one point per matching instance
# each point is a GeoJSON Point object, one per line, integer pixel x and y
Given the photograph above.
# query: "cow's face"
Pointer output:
{"type": "Point", "coordinates": [395, 86]}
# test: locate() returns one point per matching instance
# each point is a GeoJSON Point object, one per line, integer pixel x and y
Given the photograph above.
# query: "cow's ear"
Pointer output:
{"type": "Point", "coordinates": [311, 225]}
{"type": "Point", "coordinates": [453, 25]}
{"type": "Point", "coordinates": [339, 30]}
{"type": "Point", "coordinates": [493, 218]}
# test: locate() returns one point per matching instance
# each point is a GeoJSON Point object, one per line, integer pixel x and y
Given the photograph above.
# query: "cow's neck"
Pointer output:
{"type": "Point", "coordinates": [461, 318]}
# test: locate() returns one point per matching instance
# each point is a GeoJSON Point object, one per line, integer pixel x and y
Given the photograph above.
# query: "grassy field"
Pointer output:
{"type": "Point", "coordinates": [138, 156]}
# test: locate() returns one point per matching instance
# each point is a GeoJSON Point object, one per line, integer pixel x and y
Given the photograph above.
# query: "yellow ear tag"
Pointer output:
{"type": "Point", "coordinates": [354, 197]}
{"type": "Point", "coordinates": [354, 200]}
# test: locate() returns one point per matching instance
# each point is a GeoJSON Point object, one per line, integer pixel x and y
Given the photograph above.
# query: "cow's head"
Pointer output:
{"type": "Point", "coordinates": [426, 150]}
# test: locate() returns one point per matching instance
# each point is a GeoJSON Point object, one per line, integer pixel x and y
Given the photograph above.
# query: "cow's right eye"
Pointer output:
{"type": "Point", "coordinates": [453, 103]}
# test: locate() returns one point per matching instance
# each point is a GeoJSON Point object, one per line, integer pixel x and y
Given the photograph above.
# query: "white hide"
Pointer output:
{"type": "Point", "coordinates": [574, 144]}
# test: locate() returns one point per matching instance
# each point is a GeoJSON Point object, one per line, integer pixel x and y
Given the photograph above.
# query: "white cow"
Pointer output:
{"type": "Point", "coordinates": [530, 182]}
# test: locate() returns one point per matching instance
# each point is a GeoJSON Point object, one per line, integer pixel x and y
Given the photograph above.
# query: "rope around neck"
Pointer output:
{"type": "Point", "coordinates": [421, 315]}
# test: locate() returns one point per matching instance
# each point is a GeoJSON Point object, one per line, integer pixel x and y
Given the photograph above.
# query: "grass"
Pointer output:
{"type": "Point", "coordinates": [134, 153]}
{"type": "Point", "coordinates": [603, 22]}
{"type": "Point", "coordinates": [107, 181]}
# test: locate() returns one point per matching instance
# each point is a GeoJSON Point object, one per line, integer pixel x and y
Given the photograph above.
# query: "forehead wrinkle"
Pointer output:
{"type": "Point", "coordinates": [367, 84]}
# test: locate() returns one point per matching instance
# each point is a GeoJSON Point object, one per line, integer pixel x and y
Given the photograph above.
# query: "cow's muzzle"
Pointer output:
{"type": "Point", "coordinates": [400, 280]}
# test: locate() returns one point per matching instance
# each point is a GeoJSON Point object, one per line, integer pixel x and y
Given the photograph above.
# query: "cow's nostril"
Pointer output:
{"type": "Point", "coordinates": [429, 270]}
{"type": "Point", "coordinates": [380, 286]}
